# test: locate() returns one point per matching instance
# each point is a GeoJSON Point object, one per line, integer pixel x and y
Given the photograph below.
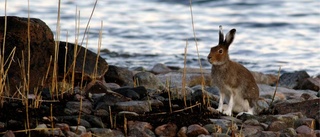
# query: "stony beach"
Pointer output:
{"type": "Point", "coordinates": [163, 101]}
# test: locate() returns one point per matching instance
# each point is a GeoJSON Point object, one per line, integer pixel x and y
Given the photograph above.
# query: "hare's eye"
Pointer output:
{"type": "Point", "coordinates": [220, 51]}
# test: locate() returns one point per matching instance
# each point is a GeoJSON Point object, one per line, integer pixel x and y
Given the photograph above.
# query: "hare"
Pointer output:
{"type": "Point", "coordinates": [234, 81]}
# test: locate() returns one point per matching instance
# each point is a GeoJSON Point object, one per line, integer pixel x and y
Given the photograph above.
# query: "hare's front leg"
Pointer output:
{"type": "Point", "coordinates": [222, 96]}
{"type": "Point", "coordinates": [230, 106]}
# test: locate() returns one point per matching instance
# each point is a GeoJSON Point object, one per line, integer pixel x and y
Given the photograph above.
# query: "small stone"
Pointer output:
{"type": "Point", "coordinates": [261, 106]}
{"type": "Point", "coordinates": [101, 113]}
{"type": "Point", "coordinates": [277, 126]}
{"type": "Point", "coordinates": [73, 107]}
{"type": "Point", "coordinates": [109, 100]}
{"type": "Point", "coordinates": [78, 129]}
{"type": "Point", "coordinates": [87, 134]}
{"type": "Point", "coordinates": [182, 132]}
{"type": "Point", "coordinates": [308, 96]}
{"type": "Point", "coordinates": [305, 121]}
{"type": "Point", "coordinates": [139, 129]}
{"type": "Point", "coordinates": [267, 134]}
{"type": "Point", "coordinates": [212, 128]}
{"type": "Point", "coordinates": [289, 132]}
{"type": "Point", "coordinates": [148, 80]}
{"type": "Point", "coordinates": [55, 132]}
{"type": "Point", "coordinates": [9, 133]}
{"type": "Point", "coordinates": [63, 126]}
{"type": "Point", "coordinates": [94, 121]}
{"type": "Point", "coordinates": [168, 130]}
{"type": "Point", "coordinates": [112, 86]}
{"type": "Point", "coordinates": [195, 130]}
{"type": "Point", "coordinates": [305, 130]}
{"type": "Point", "coordinates": [134, 93]}
{"type": "Point", "coordinates": [160, 69]}
{"type": "Point", "coordinates": [252, 122]}
{"type": "Point", "coordinates": [250, 130]}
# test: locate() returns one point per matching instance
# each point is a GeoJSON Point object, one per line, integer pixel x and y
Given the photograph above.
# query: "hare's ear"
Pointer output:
{"type": "Point", "coordinates": [221, 36]}
{"type": "Point", "coordinates": [230, 37]}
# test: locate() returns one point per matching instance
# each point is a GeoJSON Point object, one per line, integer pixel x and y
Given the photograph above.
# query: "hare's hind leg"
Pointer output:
{"type": "Point", "coordinates": [230, 105]}
{"type": "Point", "coordinates": [221, 99]}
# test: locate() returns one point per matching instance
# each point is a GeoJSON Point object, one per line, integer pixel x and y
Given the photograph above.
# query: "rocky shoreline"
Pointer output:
{"type": "Point", "coordinates": [163, 101]}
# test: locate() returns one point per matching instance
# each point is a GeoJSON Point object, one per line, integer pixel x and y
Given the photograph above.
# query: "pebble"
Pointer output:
{"type": "Point", "coordinates": [167, 130]}
{"type": "Point", "coordinates": [305, 130]}
{"type": "Point", "coordinates": [195, 130]}
{"type": "Point", "coordinates": [160, 68]}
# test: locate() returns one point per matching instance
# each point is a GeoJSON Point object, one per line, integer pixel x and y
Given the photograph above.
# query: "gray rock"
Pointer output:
{"type": "Point", "coordinates": [292, 80]}
{"type": "Point", "coordinates": [252, 122]}
{"type": "Point", "coordinates": [109, 100]}
{"type": "Point", "coordinates": [160, 69]}
{"type": "Point", "coordinates": [73, 107]}
{"type": "Point", "coordinates": [250, 130]}
{"type": "Point", "coordinates": [168, 130]}
{"type": "Point", "coordinates": [267, 134]}
{"type": "Point", "coordinates": [195, 130]}
{"type": "Point", "coordinates": [112, 86]}
{"type": "Point", "coordinates": [148, 80]}
{"type": "Point", "coordinates": [106, 132]}
{"type": "Point", "coordinates": [121, 76]}
{"type": "Point", "coordinates": [277, 126]}
{"type": "Point", "coordinates": [94, 121]}
{"type": "Point", "coordinates": [63, 126]}
{"type": "Point", "coordinates": [308, 96]}
{"type": "Point", "coordinates": [305, 131]}
{"type": "Point", "coordinates": [134, 106]}
{"type": "Point", "coordinates": [262, 105]}
{"type": "Point", "coordinates": [140, 129]}
{"type": "Point", "coordinates": [311, 123]}
{"type": "Point", "coordinates": [289, 132]}
{"type": "Point", "coordinates": [54, 132]}
{"type": "Point", "coordinates": [101, 113]}
{"type": "Point", "coordinates": [78, 129]}
{"type": "Point", "coordinates": [135, 93]}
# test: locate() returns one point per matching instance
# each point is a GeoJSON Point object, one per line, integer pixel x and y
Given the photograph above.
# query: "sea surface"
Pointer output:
{"type": "Point", "coordinates": [142, 33]}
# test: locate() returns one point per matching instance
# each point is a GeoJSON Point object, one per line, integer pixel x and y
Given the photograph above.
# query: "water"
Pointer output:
{"type": "Point", "coordinates": [270, 33]}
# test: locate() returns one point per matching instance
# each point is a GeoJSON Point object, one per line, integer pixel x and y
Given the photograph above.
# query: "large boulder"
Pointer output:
{"type": "Point", "coordinates": [94, 67]}
{"type": "Point", "coordinates": [41, 49]}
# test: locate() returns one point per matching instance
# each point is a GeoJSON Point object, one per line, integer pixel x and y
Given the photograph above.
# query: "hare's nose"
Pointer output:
{"type": "Point", "coordinates": [209, 57]}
